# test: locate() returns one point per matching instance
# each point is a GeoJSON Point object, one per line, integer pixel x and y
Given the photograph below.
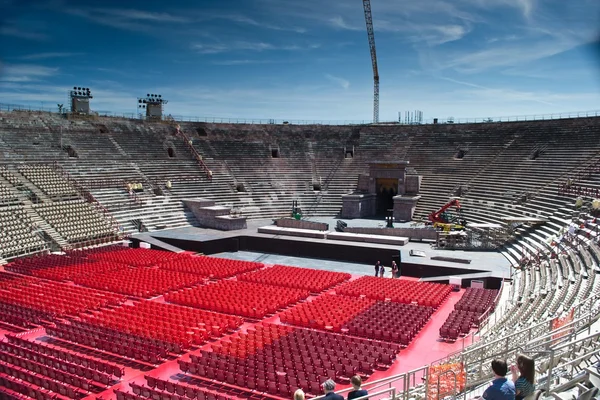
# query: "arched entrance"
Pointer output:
{"type": "Point", "coordinates": [386, 189]}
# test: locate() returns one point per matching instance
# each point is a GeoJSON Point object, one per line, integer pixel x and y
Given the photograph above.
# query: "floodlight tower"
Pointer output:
{"type": "Point", "coordinates": [153, 104]}
{"type": "Point", "coordinates": [371, 35]}
{"type": "Point", "coordinates": [79, 98]}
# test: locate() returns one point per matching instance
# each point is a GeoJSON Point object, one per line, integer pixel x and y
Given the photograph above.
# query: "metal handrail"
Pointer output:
{"type": "Point", "coordinates": [404, 378]}
{"type": "Point", "coordinates": [269, 121]}
{"type": "Point", "coordinates": [520, 333]}
{"type": "Point", "coordinates": [483, 319]}
{"type": "Point", "coordinates": [391, 390]}
{"type": "Point", "coordinates": [195, 154]}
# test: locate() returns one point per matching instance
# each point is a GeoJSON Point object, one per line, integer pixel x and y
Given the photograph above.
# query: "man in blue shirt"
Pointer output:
{"type": "Point", "coordinates": [501, 388]}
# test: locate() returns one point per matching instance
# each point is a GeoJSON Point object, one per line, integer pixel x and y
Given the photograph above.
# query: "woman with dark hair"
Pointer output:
{"type": "Point", "coordinates": [523, 375]}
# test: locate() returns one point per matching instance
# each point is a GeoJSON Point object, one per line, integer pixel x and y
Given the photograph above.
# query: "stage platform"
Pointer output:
{"type": "Point", "coordinates": [357, 257]}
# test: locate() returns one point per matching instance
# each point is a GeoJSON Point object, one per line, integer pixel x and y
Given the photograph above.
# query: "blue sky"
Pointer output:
{"type": "Point", "coordinates": [305, 59]}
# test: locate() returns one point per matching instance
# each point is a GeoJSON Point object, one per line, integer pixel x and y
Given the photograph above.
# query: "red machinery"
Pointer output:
{"type": "Point", "coordinates": [440, 219]}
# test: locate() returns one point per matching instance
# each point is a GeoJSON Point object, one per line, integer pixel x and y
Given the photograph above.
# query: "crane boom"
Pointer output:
{"type": "Point", "coordinates": [371, 34]}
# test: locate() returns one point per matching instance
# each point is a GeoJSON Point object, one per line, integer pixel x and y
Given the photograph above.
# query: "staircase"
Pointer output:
{"type": "Point", "coordinates": [30, 186]}
{"type": "Point", "coordinates": [6, 151]}
{"type": "Point", "coordinates": [46, 227]}
{"type": "Point", "coordinates": [118, 147]}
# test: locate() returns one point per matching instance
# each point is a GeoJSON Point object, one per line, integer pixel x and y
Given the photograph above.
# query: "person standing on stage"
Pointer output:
{"type": "Point", "coordinates": [378, 266]}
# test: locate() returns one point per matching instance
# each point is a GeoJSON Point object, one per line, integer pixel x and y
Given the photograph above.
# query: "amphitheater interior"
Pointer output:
{"type": "Point", "coordinates": [70, 187]}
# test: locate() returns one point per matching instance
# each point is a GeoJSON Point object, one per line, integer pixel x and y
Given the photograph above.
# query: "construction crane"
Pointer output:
{"type": "Point", "coordinates": [370, 33]}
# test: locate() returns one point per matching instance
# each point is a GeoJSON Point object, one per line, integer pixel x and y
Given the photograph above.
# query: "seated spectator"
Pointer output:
{"type": "Point", "coordinates": [329, 389]}
{"type": "Point", "coordinates": [299, 394]}
{"type": "Point", "coordinates": [523, 375]}
{"type": "Point", "coordinates": [501, 388]}
{"type": "Point", "coordinates": [357, 392]}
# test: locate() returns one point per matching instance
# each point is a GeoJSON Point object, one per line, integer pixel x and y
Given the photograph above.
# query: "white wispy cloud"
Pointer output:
{"type": "Point", "coordinates": [22, 33]}
{"type": "Point", "coordinates": [243, 19]}
{"type": "Point", "coordinates": [339, 22]}
{"type": "Point", "coordinates": [525, 7]}
{"type": "Point", "coordinates": [140, 15]}
{"type": "Point", "coordinates": [507, 55]}
{"type": "Point", "coordinates": [216, 48]}
{"type": "Point", "coordinates": [250, 61]}
{"type": "Point", "coordinates": [44, 56]}
{"type": "Point", "coordinates": [501, 92]}
{"type": "Point", "coordinates": [128, 19]}
{"type": "Point", "coordinates": [344, 83]}
{"type": "Point", "coordinates": [25, 72]}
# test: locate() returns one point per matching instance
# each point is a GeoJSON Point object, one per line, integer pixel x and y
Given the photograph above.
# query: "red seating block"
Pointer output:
{"type": "Point", "coordinates": [276, 359]}
{"type": "Point", "coordinates": [38, 299]}
{"type": "Point", "coordinates": [467, 312]}
{"type": "Point", "coordinates": [136, 257]}
{"type": "Point", "coordinates": [398, 290]}
{"type": "Point", "coordinates": [70, 272]}
{"type": "Point", "coordinates": [166, 326]}
{"type": "Point", "coordinates": [326, 312]}
{"type": "Point", "coordinates": [293, 277]}
{"type": "Point", "coordinates": [211, 267]}
{"type": "Point", "coordinates": [253, 300]}
{"type": "Point", "coordinates": [139, 282]}
{"type": "Point", "coordinates": [389, 321]}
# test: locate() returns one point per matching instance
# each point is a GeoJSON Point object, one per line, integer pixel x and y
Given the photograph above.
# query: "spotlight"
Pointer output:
{"type": "Point", "coordinates": [159, 95]}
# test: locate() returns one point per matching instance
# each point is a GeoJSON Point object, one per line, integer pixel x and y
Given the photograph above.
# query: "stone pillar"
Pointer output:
{"type": "Point", "coordinates": [413, 184]}
{"type": "Point", "coordinates": [358, 205]}
{"type": "Point", "coordinates": [404, 207]}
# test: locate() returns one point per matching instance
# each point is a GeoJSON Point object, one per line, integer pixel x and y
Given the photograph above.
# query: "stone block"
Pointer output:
{"type": "Point", "coordinates": [363, 183]}
{"type": "Point", "coordinates": [276, 230]}
{"type": "Point", "coordinates": [230, 223]}
{"type": "Point", "coordinates": [358, 205]}
{"type": "Point", "coordinates": [412, 233]}
{"type": "Point", "coordinates": [404, 207]}
{"type": "Point", "coordinates": [412, 184]}
{"type": "Point", "coordinates": [300, 224]}
{"type": "Point", "coordinates": [357, 237]}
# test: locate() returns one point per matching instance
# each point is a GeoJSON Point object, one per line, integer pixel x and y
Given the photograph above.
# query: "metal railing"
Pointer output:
{"type": "Point", "coordinates": [399, 385]}
{"type": "Point", "coordinates": [483, 319]}
{"type": "Point", "coordinates": [270, 121]}
{"type": "Point", "coordinates": [195, 154]}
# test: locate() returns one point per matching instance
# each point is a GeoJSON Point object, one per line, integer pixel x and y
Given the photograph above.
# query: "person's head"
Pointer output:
{"type": "Point", "coordinates": [499, 367]}
{"type": "Point", "coordinates": [356, 382]}
{"type": "Point", "coordinates": [328, 386]}
{"type": "Point", "coordinates": [299, 394]}
{"type": "Point", "coordinates": [526, 368]}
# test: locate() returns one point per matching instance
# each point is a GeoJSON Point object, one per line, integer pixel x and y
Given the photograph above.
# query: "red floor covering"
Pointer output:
{"type": "Point", "coordinates": [424, 349]}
